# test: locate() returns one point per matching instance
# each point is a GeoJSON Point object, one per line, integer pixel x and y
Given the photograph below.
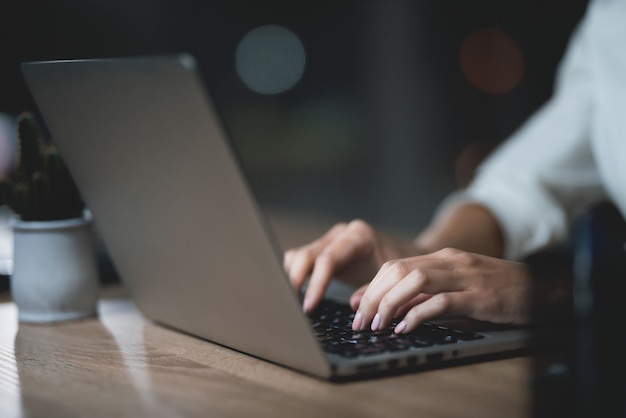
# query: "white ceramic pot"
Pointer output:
{"type": "Point", "coordinates": [55, 277]}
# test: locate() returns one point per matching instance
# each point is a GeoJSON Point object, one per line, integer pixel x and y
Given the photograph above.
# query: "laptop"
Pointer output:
{"type": "Point", "coordinates": [147, 149]}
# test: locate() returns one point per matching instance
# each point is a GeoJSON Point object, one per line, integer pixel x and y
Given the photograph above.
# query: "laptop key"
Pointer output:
{"type": "Point", "coordinates": [332, 323]}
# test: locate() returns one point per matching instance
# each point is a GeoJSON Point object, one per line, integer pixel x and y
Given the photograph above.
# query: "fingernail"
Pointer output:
{"type": "Point", "coordinates": [400, 327]}
{"type": "Point", "coordinates": [305, 306]}
{"type": "Point", "coordinates": [356, 322]}
{"type": "Point", "coordinates": [376, 322]}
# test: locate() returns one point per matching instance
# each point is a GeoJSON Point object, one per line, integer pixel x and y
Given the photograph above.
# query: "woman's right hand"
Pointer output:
{"type": "Point", "coordinates": [352, 252]}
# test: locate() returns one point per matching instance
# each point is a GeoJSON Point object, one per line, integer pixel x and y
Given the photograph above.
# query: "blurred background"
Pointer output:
{"type": "Point", "coordinates": [339, 109]}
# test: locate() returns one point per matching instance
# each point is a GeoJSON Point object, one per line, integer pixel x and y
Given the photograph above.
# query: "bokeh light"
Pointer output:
{"type": "Point", "coordinates": [492, 61]}
{"type": "Point", "coordinates": [270, 59]}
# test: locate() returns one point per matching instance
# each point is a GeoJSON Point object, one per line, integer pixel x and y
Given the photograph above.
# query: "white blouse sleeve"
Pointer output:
{"type": "Point", "coordinates": [540, 177]}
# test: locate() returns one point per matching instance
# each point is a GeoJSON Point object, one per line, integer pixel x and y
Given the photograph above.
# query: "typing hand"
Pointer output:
{"type": "Point", "coordinates": [447, 282]}
{"type": "Point", "coordinates": [352, 252]}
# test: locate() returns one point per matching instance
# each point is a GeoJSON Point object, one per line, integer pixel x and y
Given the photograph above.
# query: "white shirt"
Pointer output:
{"type": "Point", "coordinates": [572, 152]}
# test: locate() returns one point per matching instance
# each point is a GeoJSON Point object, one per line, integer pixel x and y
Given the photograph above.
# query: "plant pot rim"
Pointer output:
{"type": "Point", "coordinates": [20, 225]}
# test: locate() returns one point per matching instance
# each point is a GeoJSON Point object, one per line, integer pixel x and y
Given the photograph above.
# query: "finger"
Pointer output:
{"type": "Point", "coordinates": [418, 281]}
{"type": "Point", "coordinates": [299, 262]}
{"type": "Point", "coordinates": [417, 274]}
{"type": "Point", "coordinates": [391, 273]}
{"type": "Point", "coordinates": [287, 256]}
{"type": "Point", "coordinates": [453, 303]}
{"type": "Point", "coordinates": [402, 310]}
{"type": "Point", "coordinates": [347, 246]}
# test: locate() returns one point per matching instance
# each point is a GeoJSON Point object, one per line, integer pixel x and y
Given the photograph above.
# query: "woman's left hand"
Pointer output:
{"type": "Point", "coordinates": [446, 282]}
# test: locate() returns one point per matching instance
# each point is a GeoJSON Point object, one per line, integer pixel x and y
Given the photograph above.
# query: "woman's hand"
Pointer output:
{"type": "Point", "coordinates": [446, 282]}
{"type": "Point", "coordinates": [414, 286]}
{"type": "Point", "coordinates": [352, 252]}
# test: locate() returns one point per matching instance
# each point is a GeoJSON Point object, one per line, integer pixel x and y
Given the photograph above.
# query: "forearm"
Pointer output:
{"type": "Point", "coordinates": [469, 227]}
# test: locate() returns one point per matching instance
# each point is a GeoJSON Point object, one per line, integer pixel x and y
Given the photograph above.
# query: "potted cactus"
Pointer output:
{"type": "Point", "coordinates": [54, 269]}
{"type": "Point", "coordinates": [41, 189]}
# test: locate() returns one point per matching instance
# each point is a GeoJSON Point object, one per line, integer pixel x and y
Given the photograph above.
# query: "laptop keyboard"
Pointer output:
{"type": "Point", "coordinates": [332, 322]}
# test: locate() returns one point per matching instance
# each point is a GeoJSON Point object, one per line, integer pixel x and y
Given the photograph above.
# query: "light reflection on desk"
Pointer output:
{"type": "Point", "coordinates": [9, 377]}
{"type": "Point", "coordinates": [65, 366]}
{"type": "Point", "coordinates": [131, 344]}
{"type": "Point", "coordinates": [6, 242]}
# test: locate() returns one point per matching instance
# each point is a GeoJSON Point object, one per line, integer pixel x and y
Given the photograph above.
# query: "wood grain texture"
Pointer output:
{"type": "Point", "coordinates": [119, 364]}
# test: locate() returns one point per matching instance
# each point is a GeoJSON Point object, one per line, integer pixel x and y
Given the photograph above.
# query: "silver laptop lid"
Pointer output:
{"type": "Point", "coordinates": [149, 154]}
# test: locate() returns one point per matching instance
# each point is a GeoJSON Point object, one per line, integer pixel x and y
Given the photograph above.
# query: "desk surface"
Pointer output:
{"type": "Point", "coordinates": [120, 364]}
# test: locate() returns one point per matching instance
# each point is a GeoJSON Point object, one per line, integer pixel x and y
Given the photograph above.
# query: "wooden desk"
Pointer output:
{"type": "Point", "coordinates": [122, 365]}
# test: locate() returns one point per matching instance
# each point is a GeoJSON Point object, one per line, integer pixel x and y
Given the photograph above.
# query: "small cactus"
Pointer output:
{"type": "Point", "coordinates": [41, 188]}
